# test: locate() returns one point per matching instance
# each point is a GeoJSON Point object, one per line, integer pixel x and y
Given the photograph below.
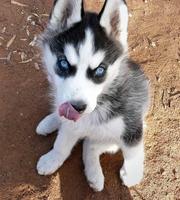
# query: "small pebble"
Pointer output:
{"type": "Point", "coordinates": [3, 30]}
{"type": "Point", "coordinates": [36, 65]}
{"type": "Point", "coordinates": [153, 44]}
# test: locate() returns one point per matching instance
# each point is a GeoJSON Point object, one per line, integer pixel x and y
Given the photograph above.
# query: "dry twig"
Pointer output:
{"type": "Point", "coordinates": [9, 43]}
{"type": "Point", "coordinates": [26, 61]}
{"type": "Point", "coordinates": [18, 3]}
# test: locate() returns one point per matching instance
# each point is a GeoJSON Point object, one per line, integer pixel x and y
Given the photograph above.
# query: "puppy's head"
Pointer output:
{"type": "Point", "coordinates": [83, 51]}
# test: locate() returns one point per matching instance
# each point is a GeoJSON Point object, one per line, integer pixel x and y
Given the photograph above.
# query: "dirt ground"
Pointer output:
{"type": "Point", "coordinates": [154, 41]}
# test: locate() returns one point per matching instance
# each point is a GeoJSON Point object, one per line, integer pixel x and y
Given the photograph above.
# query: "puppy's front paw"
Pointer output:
{"type": "Point", "coordinates": [131, 178]}
{"type": "Point", "coordinates": [48, 163]}
{"type": "Point", "coordinates": [48, 125]}
{"type": "Point", "coordinates": [95, 178]}
{"type": "Point", "coordinates": [41, 129]}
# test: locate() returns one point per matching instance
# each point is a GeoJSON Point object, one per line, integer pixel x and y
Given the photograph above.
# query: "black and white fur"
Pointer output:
{"type": "Point", "coordinates": [116, 105]}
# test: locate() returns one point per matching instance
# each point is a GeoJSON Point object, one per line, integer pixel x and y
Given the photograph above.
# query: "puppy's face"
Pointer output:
{"type": "Point", "coordinates": [83, 56]}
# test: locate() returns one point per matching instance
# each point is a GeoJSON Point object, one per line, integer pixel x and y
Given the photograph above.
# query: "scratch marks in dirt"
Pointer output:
{"type": "Point", "coordinates": [178, 55]}
{"type": "Point", "coordinates": [168, 96]}
{"type": "Point", "coordinates": [138, 193]}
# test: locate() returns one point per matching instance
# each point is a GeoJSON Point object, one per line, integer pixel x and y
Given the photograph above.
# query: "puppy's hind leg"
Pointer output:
{"type": "Point", "coordinates": [48, 125]}
{"type": "Point", "coordinates": [93, 170]}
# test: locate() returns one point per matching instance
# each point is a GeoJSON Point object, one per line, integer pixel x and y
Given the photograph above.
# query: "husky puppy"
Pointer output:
{"type": "Point", "coordinates": [99, 94]}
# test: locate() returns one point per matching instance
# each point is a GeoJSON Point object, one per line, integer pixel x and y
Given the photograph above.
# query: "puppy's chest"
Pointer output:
{"type": "Point", "coordinates": [111, 130]}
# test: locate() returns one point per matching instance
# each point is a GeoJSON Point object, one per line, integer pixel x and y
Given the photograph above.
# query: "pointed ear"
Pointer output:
{"type": "Point", "coordinates": [114, 18]}
{"type": "Point", "coordinates": [65, 13]}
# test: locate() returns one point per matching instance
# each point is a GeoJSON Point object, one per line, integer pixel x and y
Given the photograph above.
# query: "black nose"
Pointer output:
{"type": "Point", "coordinates": [80, 106]}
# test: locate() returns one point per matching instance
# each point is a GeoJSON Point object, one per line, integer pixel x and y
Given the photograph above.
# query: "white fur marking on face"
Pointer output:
{"type": "Point", "coordinates": [97, 59]}
{"type": "Point", "coordinates": [88, 57]}
{"type": "Point", "coordinates": [71, 54]}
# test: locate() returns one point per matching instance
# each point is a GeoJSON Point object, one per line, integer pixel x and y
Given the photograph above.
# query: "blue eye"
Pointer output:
{"type": "Point", "coordinates": [63, 68]}
{"type": "Point", "coordinates": [100, 71]}
{"type": "Point", "coordinates": [63, 64]}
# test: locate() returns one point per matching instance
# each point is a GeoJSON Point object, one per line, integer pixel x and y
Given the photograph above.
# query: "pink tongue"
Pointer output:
{"type": "Point", "coordinates": [66, 110]}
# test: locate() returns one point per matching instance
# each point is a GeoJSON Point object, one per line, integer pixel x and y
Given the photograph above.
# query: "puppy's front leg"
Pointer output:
{"type": "Point", "coordinates": [93, 170]}
{"type": "Point", "coordinates": [63, 145]}
{"type": "Point", "coordinates": [48, 125]}
{"type": "Point", "coordinates": [132, 171]}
